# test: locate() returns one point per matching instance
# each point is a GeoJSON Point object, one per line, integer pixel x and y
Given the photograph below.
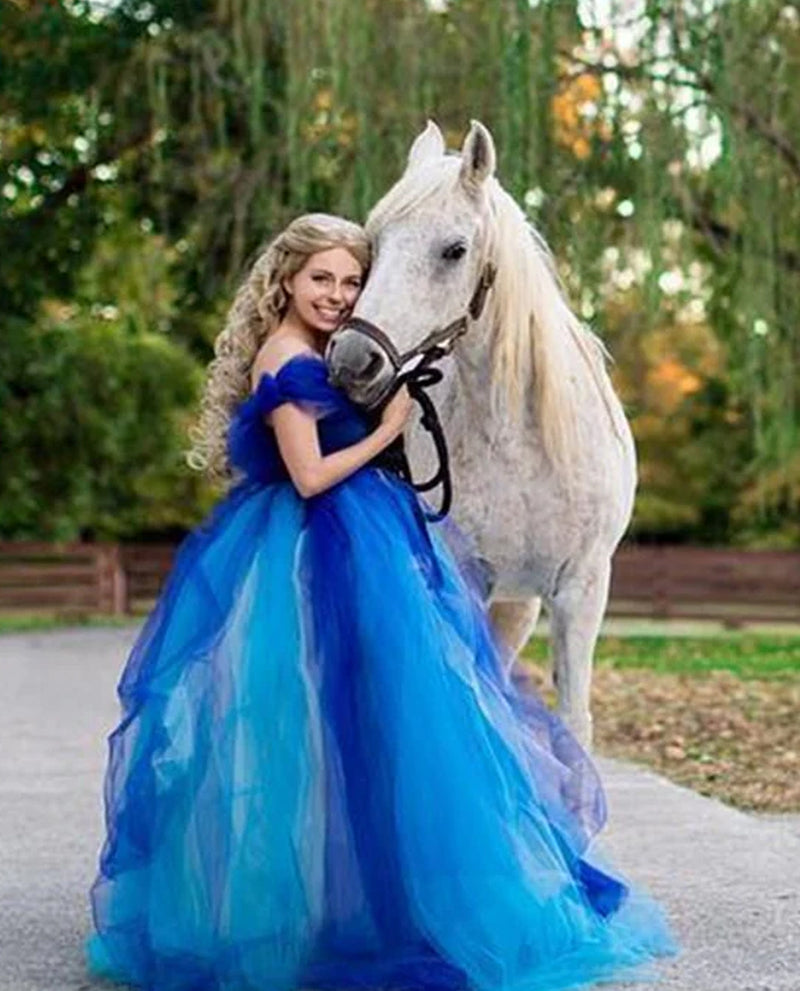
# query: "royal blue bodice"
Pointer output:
{"type": "Point", "coordinates": [252, 445]}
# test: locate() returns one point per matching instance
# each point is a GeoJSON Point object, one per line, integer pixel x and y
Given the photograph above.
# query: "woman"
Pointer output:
{"type": "Point", "coordinates": [322, 777]}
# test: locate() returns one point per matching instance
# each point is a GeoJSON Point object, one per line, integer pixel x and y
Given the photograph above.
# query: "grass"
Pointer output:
{"type": "Point", "coordinates": [747, 655]}
{"type": "Point", "coordinates": [21, 622]}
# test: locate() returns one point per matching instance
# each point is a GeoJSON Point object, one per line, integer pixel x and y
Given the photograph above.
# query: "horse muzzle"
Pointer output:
{"type": "Point", "coordinates": [361, 361]}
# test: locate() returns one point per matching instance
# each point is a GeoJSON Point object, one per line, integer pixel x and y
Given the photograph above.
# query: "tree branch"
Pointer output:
{"type": "Point", "coordinates": [701, 82]}
{"type": "Point", "coordinates": [79, 177]}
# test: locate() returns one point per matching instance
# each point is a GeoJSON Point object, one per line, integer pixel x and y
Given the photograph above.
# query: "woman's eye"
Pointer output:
{"type": "Point", "coordinates": [454, 251]}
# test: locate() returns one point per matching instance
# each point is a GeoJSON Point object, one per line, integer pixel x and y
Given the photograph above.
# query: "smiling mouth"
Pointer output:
{"type": "Point", "coordinates": [328, 313]}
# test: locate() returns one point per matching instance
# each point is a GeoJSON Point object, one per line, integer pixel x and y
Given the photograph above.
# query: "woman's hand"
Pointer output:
{"type": "Point", "coordinates": [397, 411]}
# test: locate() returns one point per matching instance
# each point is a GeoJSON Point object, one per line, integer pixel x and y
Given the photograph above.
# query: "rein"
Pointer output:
{"type": "Point", "coordinates": [422, 376]}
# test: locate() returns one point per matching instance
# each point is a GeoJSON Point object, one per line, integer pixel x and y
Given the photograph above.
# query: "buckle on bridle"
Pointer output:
{"type": "Point", "coordinates": [485, 283]}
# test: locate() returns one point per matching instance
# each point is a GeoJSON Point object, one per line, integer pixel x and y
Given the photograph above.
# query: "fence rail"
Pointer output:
{"type": "Point", "coordinates": [66, 578]}
{"type": "Point", "coordinates": [734, 586]}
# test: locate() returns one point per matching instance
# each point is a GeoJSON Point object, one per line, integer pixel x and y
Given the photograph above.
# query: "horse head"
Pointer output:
{"type": "Point", "coordinates": [429, 275]}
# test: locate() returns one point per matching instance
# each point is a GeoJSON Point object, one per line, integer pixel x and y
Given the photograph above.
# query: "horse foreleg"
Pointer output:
{"type": "Point", "coordinates": [514, 620]}
{"type": "Point", "coordinates": [576, 612]}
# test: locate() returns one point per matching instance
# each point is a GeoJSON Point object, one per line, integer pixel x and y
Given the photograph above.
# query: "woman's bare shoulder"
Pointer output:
{"type": "Point", "coordinates": [274, 353]}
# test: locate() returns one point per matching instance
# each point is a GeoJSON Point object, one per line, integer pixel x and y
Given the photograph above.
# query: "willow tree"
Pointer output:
{"type": "Point", "coordinates": [655, 148]}
{"type": "Point", "coordinates": [668, 132]}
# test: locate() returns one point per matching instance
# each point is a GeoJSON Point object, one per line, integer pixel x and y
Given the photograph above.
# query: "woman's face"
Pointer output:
{"type": "Point", "coordinates": [324, 291]}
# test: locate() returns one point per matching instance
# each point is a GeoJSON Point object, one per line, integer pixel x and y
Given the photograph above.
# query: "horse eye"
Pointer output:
{"type": "Point", "coordinates": [454, 251]}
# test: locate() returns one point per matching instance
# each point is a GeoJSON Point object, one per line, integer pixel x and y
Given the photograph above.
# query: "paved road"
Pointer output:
{"type": "Point", "coordinates": [730, 881]}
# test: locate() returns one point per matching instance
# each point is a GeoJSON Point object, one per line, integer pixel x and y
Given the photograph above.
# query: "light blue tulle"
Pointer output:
{"type": "Point", "coordinates": [324, 776]}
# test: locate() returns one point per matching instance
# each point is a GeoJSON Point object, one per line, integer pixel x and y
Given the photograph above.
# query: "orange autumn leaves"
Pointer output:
{"type": "Point", "coordinates": [575, 114]}
{"type": "Point", "coordinates": [671, 381]}
{"type": "Point", "coordinates": [672, 362]}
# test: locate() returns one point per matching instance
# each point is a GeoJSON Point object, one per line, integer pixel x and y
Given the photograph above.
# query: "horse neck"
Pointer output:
{"type": "Point", "coordinates": [464, 396]}
{"type": "Point", "coordinates": [470, 383]}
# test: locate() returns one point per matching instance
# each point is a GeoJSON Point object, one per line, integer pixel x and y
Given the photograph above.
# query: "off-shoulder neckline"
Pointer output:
{"type": "Point", "coordinates": [312, 356]}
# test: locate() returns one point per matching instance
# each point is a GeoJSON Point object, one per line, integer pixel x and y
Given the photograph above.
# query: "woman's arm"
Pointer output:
{"type": "Point", "coordinates": [310, 470]}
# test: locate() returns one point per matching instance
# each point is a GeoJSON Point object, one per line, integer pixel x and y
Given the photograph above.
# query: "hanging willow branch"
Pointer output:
{"type": "Point", "coordinates": [250, 111]}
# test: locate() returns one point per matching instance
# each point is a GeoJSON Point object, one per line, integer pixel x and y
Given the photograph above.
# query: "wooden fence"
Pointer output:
{"type": "Point", "coordinates": [734, 586]}
{"type": "Point", "coordinates": [63, 578]}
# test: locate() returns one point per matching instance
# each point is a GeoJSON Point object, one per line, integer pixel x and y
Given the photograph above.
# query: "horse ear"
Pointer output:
{"type": "Point", "coordinates": [427, 144]}
{"type": "Point", "coordinates": [478, 158]}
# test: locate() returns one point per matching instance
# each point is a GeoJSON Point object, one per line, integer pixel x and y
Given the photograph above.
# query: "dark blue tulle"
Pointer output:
{"type": "Point", "coordinates": [324, 776]}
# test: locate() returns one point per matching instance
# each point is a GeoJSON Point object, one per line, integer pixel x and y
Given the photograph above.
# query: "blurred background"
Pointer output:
{"type": "Point", "coordinates": [148, 148]}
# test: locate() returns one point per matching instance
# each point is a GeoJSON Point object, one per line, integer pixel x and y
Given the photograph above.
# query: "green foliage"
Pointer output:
{"type": "Point", "coordinates": [94, 425]}
{"type": "Point", "coordinates": [148, 149]}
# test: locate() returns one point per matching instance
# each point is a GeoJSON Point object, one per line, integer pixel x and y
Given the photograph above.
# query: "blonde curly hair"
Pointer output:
{"type": "Point", "coordinates": [258, 308]}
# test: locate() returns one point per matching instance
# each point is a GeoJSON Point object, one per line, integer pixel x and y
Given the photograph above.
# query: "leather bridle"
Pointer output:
{"type": "Point", "coordinates": [436, 345]}
{"type": "Point", "coordinates": [439, 341]}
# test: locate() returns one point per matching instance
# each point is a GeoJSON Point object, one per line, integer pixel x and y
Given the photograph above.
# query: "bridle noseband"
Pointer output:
{"type": "Point", "coordinates": [436, 345]}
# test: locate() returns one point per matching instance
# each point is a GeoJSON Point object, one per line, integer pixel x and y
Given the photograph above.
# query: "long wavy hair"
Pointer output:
{"type": "Point", "coordinates": [258, 308]}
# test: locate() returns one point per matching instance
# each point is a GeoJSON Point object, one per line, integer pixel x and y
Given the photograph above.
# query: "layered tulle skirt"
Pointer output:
{"type": "Point", "coordinates": [323, 776]}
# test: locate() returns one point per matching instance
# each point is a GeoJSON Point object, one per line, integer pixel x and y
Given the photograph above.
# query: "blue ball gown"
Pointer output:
{"type": "Point", "coordinates": [324, 776]}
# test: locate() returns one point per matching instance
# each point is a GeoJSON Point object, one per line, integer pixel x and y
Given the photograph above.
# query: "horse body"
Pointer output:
{"type": "Point", "coordinates": [533, 530]}
{"type": "Point", "coordinates": [541, 455]}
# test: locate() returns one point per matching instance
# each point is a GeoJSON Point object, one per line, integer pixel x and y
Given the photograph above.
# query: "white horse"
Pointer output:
{"type": "Point", "coordinates": [542, 458]}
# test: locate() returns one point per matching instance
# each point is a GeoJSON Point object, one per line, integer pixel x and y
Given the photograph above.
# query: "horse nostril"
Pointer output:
{"type": "Point", "coordinates": [373, 366]}
{"type": "Point", "coordinates": [356, 363]}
